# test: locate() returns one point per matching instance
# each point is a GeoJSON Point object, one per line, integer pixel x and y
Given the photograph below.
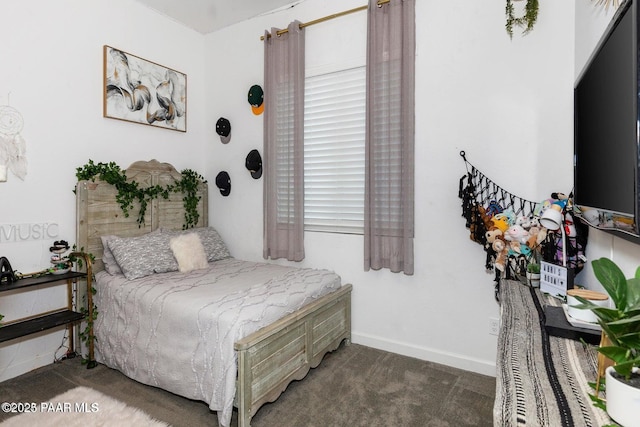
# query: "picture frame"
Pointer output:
{"type": "Point", "coordinates": [142, 91]}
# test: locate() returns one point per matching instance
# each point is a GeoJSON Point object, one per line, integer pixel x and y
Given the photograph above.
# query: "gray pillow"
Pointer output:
{"type": "Point", "coordinates": [109, 261]}
{"type": "Point", "coordinates": [143, 255]}
{"type": "Point", "coordinates": [214, 246]}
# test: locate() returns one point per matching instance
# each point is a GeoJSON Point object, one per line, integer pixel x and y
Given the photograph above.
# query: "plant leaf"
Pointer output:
{"type": "Point", "coordinates": [615, 353]}
{"type": "Point", "coordinates": [633, 293]}
{"type": "Point", "coordinates": [613, 281]}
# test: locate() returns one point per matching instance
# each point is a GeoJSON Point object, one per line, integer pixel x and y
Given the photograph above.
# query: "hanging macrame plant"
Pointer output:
{"type": "Point", "coordinates": [526, 21]}
{"type": "Point", "coordinates": [606, 3]}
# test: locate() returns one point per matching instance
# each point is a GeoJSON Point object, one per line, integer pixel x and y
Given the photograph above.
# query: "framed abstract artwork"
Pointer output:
{"type": "Point", "coordinates": [141, 91]}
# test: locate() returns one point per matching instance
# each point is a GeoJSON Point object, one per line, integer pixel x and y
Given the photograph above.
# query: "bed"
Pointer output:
{"type": "Point", "coordinates": [231, 333]}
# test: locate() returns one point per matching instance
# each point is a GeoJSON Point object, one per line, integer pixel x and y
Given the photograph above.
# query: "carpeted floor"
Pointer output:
{"type": "Point", "coordinates": [353, 386]}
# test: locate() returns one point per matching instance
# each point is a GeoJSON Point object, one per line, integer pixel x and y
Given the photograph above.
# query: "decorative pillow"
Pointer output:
{"type": "Point", "coordinates": [143, 255]}
{"type": "Point", "coordinates": [109, 261]}
{"type": "Point", "coordinates": [189, 252]}
{"type": "Point", "coordinates": [214, 246]}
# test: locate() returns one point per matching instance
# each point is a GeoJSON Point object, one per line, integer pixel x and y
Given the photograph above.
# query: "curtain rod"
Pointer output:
{"type": "Point", "coordinates": [327, 18]}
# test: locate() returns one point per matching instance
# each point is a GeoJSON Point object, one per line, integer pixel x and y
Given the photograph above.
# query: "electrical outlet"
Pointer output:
{"type": "Point", "coordinates": [494, 326]}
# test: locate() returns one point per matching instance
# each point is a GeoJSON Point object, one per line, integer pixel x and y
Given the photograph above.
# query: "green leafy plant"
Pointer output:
{"type": "Point", "coordinates": [80, 258]}
{"type": "Point", "coordinates": [130, 191]}
{"type": "Point", "coordinates": [527, 21]}
{"type": "Point", "coordinates": [622, 323]}
{"type": "Point", "coordinates": [533, 267]}
{"type": "Point", "coordinates": [86, 335]}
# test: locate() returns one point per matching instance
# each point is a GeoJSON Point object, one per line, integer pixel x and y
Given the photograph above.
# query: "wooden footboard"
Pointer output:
{"type": "Point", "coordinates": [276, 355]}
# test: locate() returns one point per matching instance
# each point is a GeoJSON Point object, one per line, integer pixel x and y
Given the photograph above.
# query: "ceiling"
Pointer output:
{"type": "Point", "coordinates": [206, 16]}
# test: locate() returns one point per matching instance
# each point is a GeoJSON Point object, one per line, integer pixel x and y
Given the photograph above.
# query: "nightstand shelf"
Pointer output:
{"type": "Point", "coordinates": [42, 280]}
{"type": "Point", "coordinates": [38, 324]}
{"type": "Point", "coordinates": [52, 319]}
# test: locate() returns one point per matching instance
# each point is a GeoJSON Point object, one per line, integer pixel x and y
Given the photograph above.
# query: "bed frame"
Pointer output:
{"type": "Point", "coordinates": [269, 359]}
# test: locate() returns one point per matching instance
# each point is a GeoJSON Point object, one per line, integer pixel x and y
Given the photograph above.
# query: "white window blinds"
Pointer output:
{"type": "Point", "coordinates": [334, 134]}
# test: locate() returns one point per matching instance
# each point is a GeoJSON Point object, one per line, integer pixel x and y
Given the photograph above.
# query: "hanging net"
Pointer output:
{"type": "Point", "coordinates": [508, 227]}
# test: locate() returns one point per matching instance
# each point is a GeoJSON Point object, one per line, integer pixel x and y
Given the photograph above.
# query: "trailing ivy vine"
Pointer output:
{"type": "Point", "coordinates": [130, 191]}
{"type": "Point", "coordinates": [527, 21]}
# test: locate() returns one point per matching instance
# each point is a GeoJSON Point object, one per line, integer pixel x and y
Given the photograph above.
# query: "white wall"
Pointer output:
{"type": "Point", "coordinates": [507, 103]}
{"type": "Point", "coordinates": [590, 25]}
{"type": "Point", "coordinates": [52, 69]}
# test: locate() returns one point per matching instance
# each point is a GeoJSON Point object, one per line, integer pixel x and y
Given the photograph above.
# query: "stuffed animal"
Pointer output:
{"type": "Point", "coordinates": [493, 208]}
{"type": "Point", "coordinates": [486, 218]}
{"type": "Point", "coordinates": [493, 234]}
{"type": "Point", "coordinates": [569, 226]}
{"type": "Point", "coordinates": [542, 206]}
{"type": "Point", "coordinates": [496, 248]}
{"type": "Point", "coordinates": [501, 250]}
{"type": "Point", "coordinates": [516, 233]}
{"type": "Point", "coordinates": [532, 240]}
{"type": "Point", "coordinates": [501, 222]}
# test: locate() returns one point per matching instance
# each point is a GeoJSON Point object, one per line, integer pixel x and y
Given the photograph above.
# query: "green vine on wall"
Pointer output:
{"type": "Point", "coordinates": [527, 21]}
{"type": "Point", "coordinates": [130, 191]}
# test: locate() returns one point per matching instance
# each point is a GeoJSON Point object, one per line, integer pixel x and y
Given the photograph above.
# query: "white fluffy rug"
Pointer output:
{"type": "Point", "coordinates": [81, 407]}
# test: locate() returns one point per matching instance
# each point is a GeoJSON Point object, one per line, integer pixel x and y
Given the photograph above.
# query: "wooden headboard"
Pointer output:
{"type": "Point", "coordinates": [99, 214]}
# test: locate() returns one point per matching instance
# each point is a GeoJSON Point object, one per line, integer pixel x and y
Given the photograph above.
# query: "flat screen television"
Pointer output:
{"type": "Point", "coordinates": [606, 126]}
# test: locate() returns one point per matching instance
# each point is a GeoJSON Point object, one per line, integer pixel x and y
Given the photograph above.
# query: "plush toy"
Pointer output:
{"type": "Point", "coordinates": [486, 218]}
{"type": "Point", "coordinates": [493, 208]}
{"type": "Point", "coordinates": [510, 214]}
{"type": "Point", "coordinates": [569, 226]}
{"type": "Point", "coordinates": [493, 234]}
{"type": "Point", "coordinates": [524, 221]}
{"type": "Point", "coordinates": [542, 206]}
{"type": "Point", "coordinates": [514, 248]}
{"type": "Point", "coordinates": [532, 240]}
{"type": "Point", "coordinates": [496, 248]}
{"type": "Point", "coordinates": [501, 250]}
{"type": "Point", "coordinates": [525, 250]}
{"type": "Point", "coordinates": [516, 233]}
{"type": "Point", "coordinates": [559, 196]}
{"type": "Point", "coordinates": [501, 222]}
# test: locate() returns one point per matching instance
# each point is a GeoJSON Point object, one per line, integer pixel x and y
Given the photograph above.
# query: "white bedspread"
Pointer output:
{"type": "Point", "coordinates": [176, 330]}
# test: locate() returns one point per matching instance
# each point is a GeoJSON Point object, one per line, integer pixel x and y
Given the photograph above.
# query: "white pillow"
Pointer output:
{"type": "Point", "coordinates": [214, 246]}
{"type": "Point", "coordinates": [189, 252]}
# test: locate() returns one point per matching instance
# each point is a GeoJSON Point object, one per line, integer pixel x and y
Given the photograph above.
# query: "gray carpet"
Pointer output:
{"type": "Point", "coordinates": [353, 386]}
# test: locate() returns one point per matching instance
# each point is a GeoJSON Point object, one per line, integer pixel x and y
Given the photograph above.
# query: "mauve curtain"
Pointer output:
{"type": "Point", "coordinates": [284, 144]}
{"type": "Point", "coordinates": [389, 151]}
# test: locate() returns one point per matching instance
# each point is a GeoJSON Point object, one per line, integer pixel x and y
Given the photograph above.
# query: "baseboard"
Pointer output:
{"type": "Point", "coordinates": [22, 367]}
{"type": "Point", "coordinates": [27, 353]}
{"type": "Point", "coordinates": [483, 367]}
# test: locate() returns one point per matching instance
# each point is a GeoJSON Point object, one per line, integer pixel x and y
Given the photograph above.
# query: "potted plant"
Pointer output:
{"type": "Point", "coordinates": [533, 274]}
{"type": "Point", "coordinates": [621, 326]}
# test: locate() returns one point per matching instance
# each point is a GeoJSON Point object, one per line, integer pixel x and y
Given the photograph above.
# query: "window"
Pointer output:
{"type": "Point", "coordinates": [334, 132]}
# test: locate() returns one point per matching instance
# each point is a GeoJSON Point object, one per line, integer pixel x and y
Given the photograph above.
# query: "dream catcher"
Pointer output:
{"type": "Point", "coordinates": [13, 147]}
